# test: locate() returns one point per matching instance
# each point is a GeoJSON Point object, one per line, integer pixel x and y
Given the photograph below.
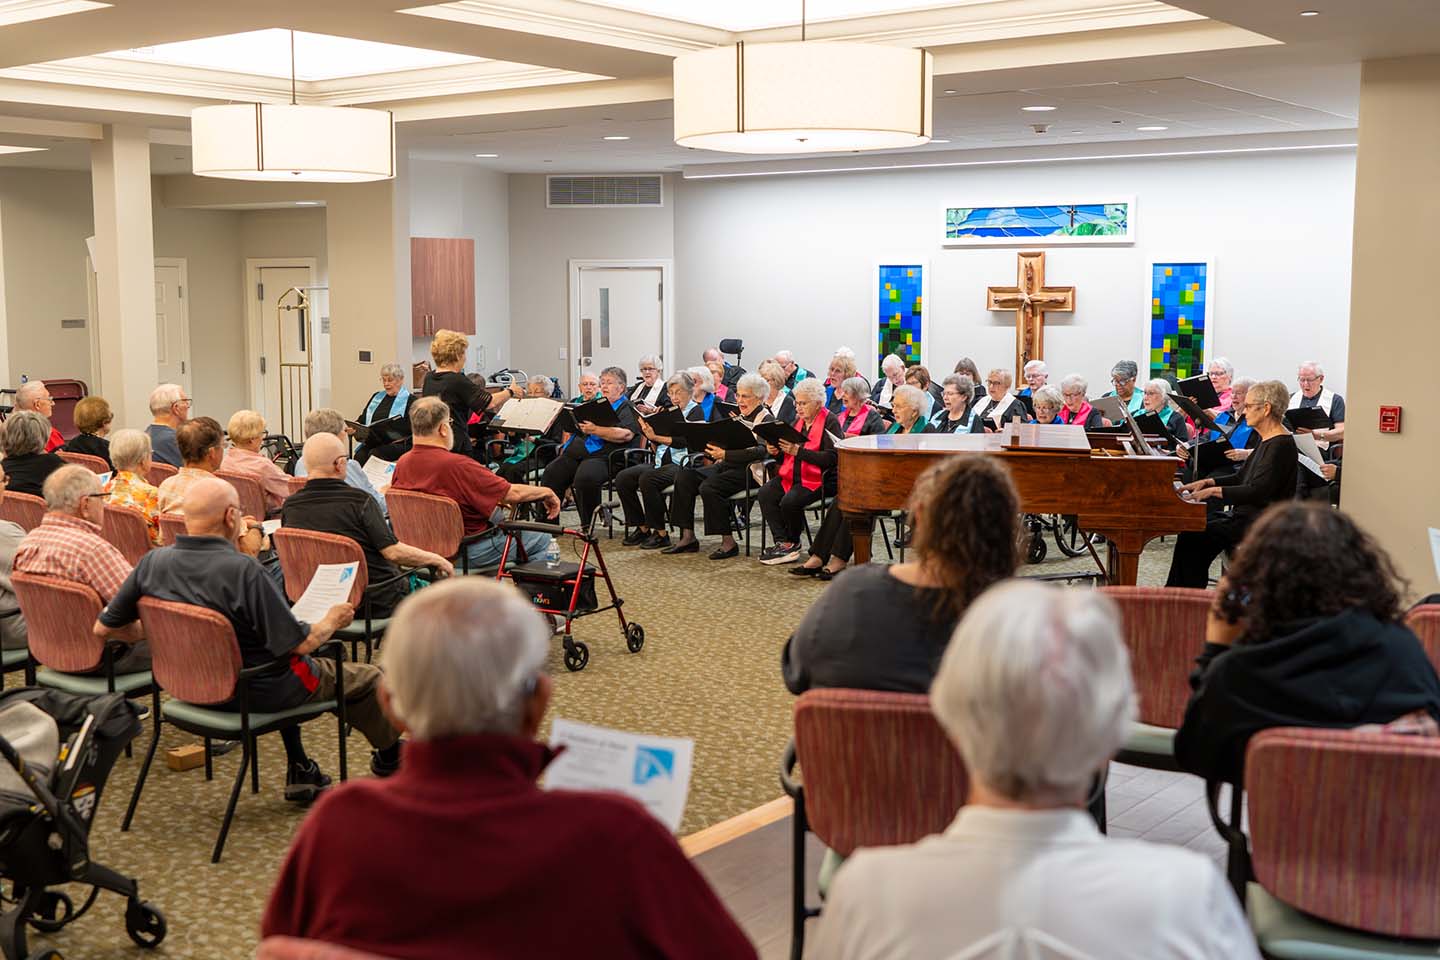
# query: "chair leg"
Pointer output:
{"type": "Point", "coordinates": [1096, 806]}
{"type": "Point", "coordinates": [799, 913]}
{"type": "Point", "coordinates": [209, 760]}
{"type": "Point", "coordinates": [145, 767]}
{"type": "Point", "coordinates": [234, 797]}
{"type": "Point", "coordinates": [254, 765]}
{"type": "Point", "coordinates": [885, 538]}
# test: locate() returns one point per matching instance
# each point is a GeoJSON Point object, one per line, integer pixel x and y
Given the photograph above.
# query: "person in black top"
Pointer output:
{"type": "Point", "coordinates": [1157, 401]}
{"type": "Point", "coordinates": [885, 627]}
{"type": "Point", "coordinates": [649, 479]}
{"type": "Point", "coordinates": [649, 393]}
{"type": "Point", "coordinates": [731, 372]}
{"type": "Point", "coordinates": [92, 419]}
{"type": "Point", "coordinates": [805, 473]}
{"type": "Point", "coordinates": [391, 400]}
{"type": "Point", "coordinates": [26, 463]}
{"type": "Point", "coordinates": [957, 408]}
{"type": "Point", "coordinates": [1268, 476]}
{"type": "Point", "coordinates": [1280, 652]}
{"type": "Point", "coordinates": [448, 382]}
{"type": "Point", "coordinates": [328, 504]}
{"type": "Point", "coordinates": [584, 463]}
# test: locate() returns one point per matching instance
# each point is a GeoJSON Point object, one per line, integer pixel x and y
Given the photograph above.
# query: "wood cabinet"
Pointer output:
{"type": "Point", "coordinates": [442, 285]}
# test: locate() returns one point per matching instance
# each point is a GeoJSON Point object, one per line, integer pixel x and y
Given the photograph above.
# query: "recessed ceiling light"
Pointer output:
{"type": "Point", "coordinates": [1039, 108]}
{"type": "Point", "coordinates": [615, 138]}
{"type": "Point", "coordinates": [487, 156]}
{"type": "Point", "coordinates": [1151, 128]}
{"type": "Point", "coordinates": [1309, 13]}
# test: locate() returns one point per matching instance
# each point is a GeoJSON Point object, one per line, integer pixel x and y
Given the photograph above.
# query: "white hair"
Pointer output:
{"type": "Point", "coordinates": [891, 361]}
{"type": "Point", "coordinates": [589, 373]}
{"type": "Point", "coordinates": [1036, 366]}
{"type": "Point", "coordinates": [28, 393]}
{"type": "Point", "coordinates": [461, 657]}
{"type": "Point", "coordinates": [684, 380]}
{"type": "Point", "coordinates": [1075, 382]}
{"type": "Point", "coordinates": [129, 449]}
{"type": "Point", "coordinates": [393, 371]}
{"type": "Point", "coordinates": [1005, 376]}
{"type": "Point", "coordinates": [1159, 383]}
{"type": "Point", "coordinates": [1239, 383]}
{"type": "Point", "coordinates": [754, 383]}
{"type": "Point", "coordinates": [541, 379]}
{"type": "Point", "coordinates": [1049, 395]}
{"type": "Point", "coordinates": [703, 378]}
{"type": "Point", "coordinates": [67, 487]}
{"type": "Point", "coordinates": [324, 420]}
{"type": "Point", "coordinates": [784, 356]}
{"type": "Point", "coordinates": [1224, 364]}
{"type": "Point", "coordinates": [163, 397]}
{"type": "Point", "coordinates": [1035, 689]}
{"type": "Point", "coordinates": [856, 387]}
{"type": "Point", "coordinates": [912, 395]}
{"type": "Point", "coordinates": [847, 352]}
{"type": "Point", "coordinates": [809, 389]}
{"type": "Point", "coordinates": [1313, 365]}
{"type": "Point", "coordinates": [651, 359]}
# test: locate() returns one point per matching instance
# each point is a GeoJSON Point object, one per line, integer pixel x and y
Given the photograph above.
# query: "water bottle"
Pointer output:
{"type": "Point", "coordinates": [552, 552]}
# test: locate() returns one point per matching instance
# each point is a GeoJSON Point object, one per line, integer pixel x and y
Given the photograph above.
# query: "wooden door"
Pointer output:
{"type": "Point", "coordinates": [442, 285]}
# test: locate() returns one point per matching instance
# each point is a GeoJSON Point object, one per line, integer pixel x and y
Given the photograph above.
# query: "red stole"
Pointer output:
{"type": "Point", "coordinates": [1084, 414]}
{"type": "Point", "coordinates": [855, 424]}
{"type": "Point", "coordinates": [809, 472]}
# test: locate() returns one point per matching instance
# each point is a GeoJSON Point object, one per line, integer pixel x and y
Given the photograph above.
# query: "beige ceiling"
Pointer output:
{"type": "Point", "coordinates": [559, 75]}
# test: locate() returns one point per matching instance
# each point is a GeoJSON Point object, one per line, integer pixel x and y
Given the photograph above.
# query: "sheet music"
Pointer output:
{"type": "Point", "coordinates": [652, 770]}
{"type": "Point", "coordinates": [534, 414]}
{"type": "Point", "coordinates": [1309, 449]}
{"type": "Point", "coordinates": [330, 585]}
{"type": "Point", "coordinates": [379, 473]}
{"type": "Point", "coordinates": [1312, 466]}
{"type": "Point", "coordinates": [268, 527]}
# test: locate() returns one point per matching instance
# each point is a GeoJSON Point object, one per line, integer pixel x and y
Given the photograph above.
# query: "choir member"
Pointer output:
{"type": "Point", "coordinates": [957, 411]}
{"type": "Point", "coordinates": [647, 481]}
{"type": "Point", "coordinates": [794, 373]}
{"type": "Point", "coordinates": [1074, 390]}
{"type": "Point", "coordinates": [651, 392]}
{"type": "Point", "coordinates": [718, 386]}
{"type": "Point", "coordinates": [732, 372]}
{"type": "Point", "coordinates": [1222, 374]}
{"type": "Point", "coordinates": [1036, 373]}
{"type": "Point", "coordinates": [806, 471]}
{"type": "Point", "coordinates": [780, 404]}
{"type": "Point", "coordinates": [1314, 393]}
{"type": "Point", "coordinates": [391, 400]}
{"type": "Point", "coordinates": [584, 464]}
{"type": "Point", "coordinates": [1157, 401]}
{"type": "Point", "coordinates": [589, 387]}
{"type": "Point", "coordinates": [1122, 380]}
{"type": "Point", "coordinates": [909, 408]}
{"type": "Point", "coordinates": [842, 368]}
{"type": "Point", "coordinates": [1048, 403]}
{"type": "Point", "coordinates": [892, 370]}
{"type": "Point", "coordinates": [919, 376]}
{"type": "Point", "coordinates": [967, 366]}
{"type": "Point", "coordinates": [856, 416]}
{"type": "Point", "coordinates": [448, 382]}
{"type": "Point", "coordinates": [999, 407]}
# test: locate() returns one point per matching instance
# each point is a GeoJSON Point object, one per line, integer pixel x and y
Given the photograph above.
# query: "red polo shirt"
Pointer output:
{"type": "Point", "coordinates": [445, 474]}
{"type": "Point", "coordinates": [461, 854]}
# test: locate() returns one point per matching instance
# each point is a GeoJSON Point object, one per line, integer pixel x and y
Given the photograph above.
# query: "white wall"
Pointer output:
{"type": "Point", "coordinates": [452, 200]}
{"type": "Point", "coordinates": [787, 261]}
{"type": "Point", "coordinates": [544, 240]}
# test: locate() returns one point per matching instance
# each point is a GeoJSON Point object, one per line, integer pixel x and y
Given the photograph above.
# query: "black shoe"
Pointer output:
{"type": "Point", "coordinates": [382, 768]}
{"type": "Point", "coordinates": [689, 546]}
{"type": "Point", "coordinates": [305, 782]}
{"type": "Point", "coordinates": [635, 537]}
{"type": "Point", "coordinates": [822, 575]}
{"type": "Point", "coordinates": [804, 571]}
{"type": "Point", "coordinates": [656, 541]}
{"type": "Point", "coordinates": [720, 553]}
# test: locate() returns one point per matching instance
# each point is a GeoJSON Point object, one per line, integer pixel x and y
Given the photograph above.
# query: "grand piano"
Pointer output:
{"type": "Point", "coordinates": [1130, 499]}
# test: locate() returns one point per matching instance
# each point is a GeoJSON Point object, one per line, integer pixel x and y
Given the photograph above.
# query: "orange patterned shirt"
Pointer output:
{"type": "Point", "coordinates": [127, 489]}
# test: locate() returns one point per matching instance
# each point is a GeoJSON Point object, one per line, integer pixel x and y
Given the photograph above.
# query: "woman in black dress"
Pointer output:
{"type": "Point", "coordinates": [92, 418]}
{"type": "Point", "coordinates": [449, 382]}
{"type": "Point", "coordinates": [26, 463]}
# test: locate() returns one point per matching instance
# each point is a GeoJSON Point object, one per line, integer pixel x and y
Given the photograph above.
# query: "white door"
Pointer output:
{"type": "Point", "coordinates": [621, 318]}
{"type": "Point", "coordinates": [280, 338]}
{"type": "Point", "coordinates": [172, 324]}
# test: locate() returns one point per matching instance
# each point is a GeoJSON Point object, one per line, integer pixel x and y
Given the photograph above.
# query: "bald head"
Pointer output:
{"type": "Point", "coordinates": [207, 504]}
{"type": "Point", "coordinates": [322, 456]}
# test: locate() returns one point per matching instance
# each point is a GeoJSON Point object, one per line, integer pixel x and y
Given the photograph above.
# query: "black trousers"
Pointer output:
{"type": "Point", "coordinates": [784, 510]}
{"type": "Point", "coordinates": [583, 473]}
{"type": "Point", "coordinates": [715, 493]}
{"type": "Point", "coordinates": [1195, 550]}
{"type": "Point", "coordinates": [833, 538]}
{"type": "Point", "coordinates": [643, 482]}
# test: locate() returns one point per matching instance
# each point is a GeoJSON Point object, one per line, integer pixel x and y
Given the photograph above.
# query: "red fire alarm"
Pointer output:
{"type": "Point", "coordinates": [1389, 419]}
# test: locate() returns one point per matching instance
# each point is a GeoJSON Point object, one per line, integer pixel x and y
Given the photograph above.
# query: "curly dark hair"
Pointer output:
{"type": "Point", "coordinates": [1303, 560]}
{"type": "Point", "coordinates": [967, 528]}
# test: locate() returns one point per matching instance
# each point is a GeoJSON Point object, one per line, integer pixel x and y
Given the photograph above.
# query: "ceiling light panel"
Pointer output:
{"type": "Point", "coordinates": [741, 15]}
{"type": "Point", "coordinates": [318, 56]}
{"type": "Point", "coordinates": [23, 11]}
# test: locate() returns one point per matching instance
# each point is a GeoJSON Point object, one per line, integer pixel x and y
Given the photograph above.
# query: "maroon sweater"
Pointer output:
{"type": "Point", "coordinates": [461, 855]}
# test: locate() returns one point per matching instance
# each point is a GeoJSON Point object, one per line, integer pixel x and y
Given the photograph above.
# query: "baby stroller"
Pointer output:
{"type": "Point", "coordinates": [59, 749]}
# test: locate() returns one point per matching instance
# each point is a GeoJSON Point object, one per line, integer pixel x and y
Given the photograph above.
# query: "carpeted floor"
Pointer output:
{"type": "Point", "coordinates": [709, 670]}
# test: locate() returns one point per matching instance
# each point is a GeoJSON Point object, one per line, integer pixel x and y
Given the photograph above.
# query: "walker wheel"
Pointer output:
{"type": "Point", "coordinates": [634, 637]}
{"type": "Point", "coordinates": [53, 912]}
{"type": "Point", "coordinates": [145, 924]}
{"type": "Point", "coordinates": [1036, 551]}
{"type": "Point", "coordinates": [577, 656]}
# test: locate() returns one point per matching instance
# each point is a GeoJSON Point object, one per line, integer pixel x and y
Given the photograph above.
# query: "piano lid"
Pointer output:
{"type": "Point", "coordinates": [1067, 438]}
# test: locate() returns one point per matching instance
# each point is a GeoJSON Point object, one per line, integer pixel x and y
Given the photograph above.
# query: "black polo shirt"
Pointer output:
{"type": "Point", "coordinates": [328, 505]}
{"type": "Point", "coordinates": [210, 572]}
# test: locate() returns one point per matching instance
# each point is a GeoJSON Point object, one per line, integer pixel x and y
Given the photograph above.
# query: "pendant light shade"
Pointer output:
{"type": "Point", "coordinates": [803, 97]}
{"type": "Point", "coordinates": [292, 142]}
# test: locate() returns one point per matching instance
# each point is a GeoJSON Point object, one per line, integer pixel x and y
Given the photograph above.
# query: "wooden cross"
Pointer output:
{"type": "Point", "coordinates": [1031, 300]}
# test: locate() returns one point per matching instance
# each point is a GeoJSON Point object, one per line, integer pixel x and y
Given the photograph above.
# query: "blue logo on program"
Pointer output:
{"type": "Point", "coordinates": [652, 762]}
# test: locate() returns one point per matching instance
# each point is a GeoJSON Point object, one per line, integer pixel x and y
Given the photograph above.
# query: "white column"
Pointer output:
{"type": "Point", "coordinates": [124, 272]}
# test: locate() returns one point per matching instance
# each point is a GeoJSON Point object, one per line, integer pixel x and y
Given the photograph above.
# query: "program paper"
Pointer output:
{"type": "Point", "coordinates": [330, 585]}
{"type": "Point", "coordinates": [652, 770]}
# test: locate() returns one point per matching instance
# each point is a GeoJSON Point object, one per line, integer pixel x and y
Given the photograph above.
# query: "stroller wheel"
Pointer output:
{"type": "Point", "coordinates": [53, 912]}
{"type": "Point", "coordinates": [145, 924]}
{"type": "Point", "coordinates": [634, 637]}
{"type": "Point", "coordinates": [577, 656]}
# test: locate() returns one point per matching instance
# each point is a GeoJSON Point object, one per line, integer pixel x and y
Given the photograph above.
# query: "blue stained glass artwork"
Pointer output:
{"type": "Point", "coordinates": [1179, 317]}
{"type": "Point", "coordinates": [1060, 222]}
{"type": "Point", "coordinates": [900, 290]}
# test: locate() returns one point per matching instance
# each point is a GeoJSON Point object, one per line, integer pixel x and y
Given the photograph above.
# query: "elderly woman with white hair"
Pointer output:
{"type": "Point", "coordinates": [27, 463]}
{"type": "Point", "coordinates": [999, 407]}
{"type": "Point", "coordinates": [1048, 403]}
{"type": "Point", "coordinates": [479, 844]}
{"type": "Point", "coordinates": [806, 472]}
{"type": "Point", "coordinates": [1222, 376]}
{"type": "Point", "coordinates": [1023, 867]}
{"type": "Point", "coordinates": [1157, 401]}
{"type": "Point", "coordinates": [648, 481]}
{"type": "Point", "coordinates": [391, 400]}
{"type": "Point", "coordinates": [780, 403]}
{"type": "Point", "coordinates": [128, 486]}
{"type": "Point", "coordinates": [1074, 390]}
{"type": "Point", "coordinates": [908, 406]}
{"type": "Point", "coordinates": [650, 392]}
{"type": "Point", "coordinates": [892, 370]}
{"type": "Point", "coordinates": [1036, 373]}
{"type": "Point", "coordinates": [246, 430]}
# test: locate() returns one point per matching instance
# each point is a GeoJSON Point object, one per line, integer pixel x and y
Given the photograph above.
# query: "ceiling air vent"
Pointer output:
{"type": "Point", "coordinates": [643, 190]}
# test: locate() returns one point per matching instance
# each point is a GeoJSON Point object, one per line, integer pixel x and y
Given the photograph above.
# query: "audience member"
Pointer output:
{"type": "Point", "coordinates": [92, 419]}
{"type": "Point", "coordinates": [27, 463]}
{"type": "Point", "coordinates": [68, 545]}
{"type": "Point", "coordinates": [34, 396]}
{"type": "Point", "coordinates": [1122, 380]}
{"type": "Point", "coordinates": [1281, 653]}
{"type": "Point", "coordinates": [391, 400]}
{"type": "Point", "coordinates": [649, 394]}
{"type": "Point", "coordinates": [999, 407]}
{"type": "Point", "coordinates": [431, 467]}
{"type": "Point", "coordinates": [884, 627]}
{"type": "Point", "coordinates": [584, 463]}
{"type": "Point", "coordinates": [892, 370]}
{"type": "Point", "coordinates": [170, 409]}
{"type": "Point", "coordinates": [247, 433]}
{"type": "Point", "coordinates": [329, 420]}
{"type": "Point", "coordinates": [805, 472]}
{"type": "Point", "coordinates": [780, 403]}
{"type": "Point", "coordinates": [202, 450]}
{"type": "Point", "coordinates": [1266, 477]}
{"type": "Point", "coordinates": [13, 633]}
{"type": "Point", "coordinates": [127, 487]}
{"type": "Point", "coordinates": [448, 382]}
{"type": "Point", "coordinates": [480, 846]}
{"type": "Point", "coordinates": [1035, 694]}
{"type": "Point", "coordinates": [212, 566]}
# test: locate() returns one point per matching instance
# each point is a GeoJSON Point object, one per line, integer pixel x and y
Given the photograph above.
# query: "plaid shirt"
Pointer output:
{"type": "Point", "coordinates": [127, 489]}
{"type": "Point", "coordinates": [72, 549]}
{"type": "Point", "coordinates": [173, 490]}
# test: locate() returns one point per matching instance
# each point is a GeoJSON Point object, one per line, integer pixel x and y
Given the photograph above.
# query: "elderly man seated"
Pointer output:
{"type": "Point", "coordinates": [202, 448]}
{"type": "Point", "coordinates": [794, 373]}
{"type": "Point", "coordinates": [330, 505]}
{"type": "Point", "coordinates": [127, 487]}
{"type": "Point", "coordinates": [247, 433]}
{"type": "Point", "coordinates": [27, 463]}
{"type": "Point", "coordinates": [68, 545]}
{"type": "Point", "coordinates": [329, 420]}
{"type": "Point", "coordinates": [34, 396]}
{"type": "Point", "coordinates": [1023, 869]}
{"type": "Point", "coordinates": [170, 408]}
{"type": "Point", "coordinates": [213, 566]}
{"type": "Point", "coordinates": [431, 467]}
{"type": "Point", "coordinates": [478, 850]}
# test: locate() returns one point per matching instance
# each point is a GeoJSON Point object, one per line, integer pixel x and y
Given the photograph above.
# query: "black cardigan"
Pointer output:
{"type": "Point", "coordinates": [1268, 476]}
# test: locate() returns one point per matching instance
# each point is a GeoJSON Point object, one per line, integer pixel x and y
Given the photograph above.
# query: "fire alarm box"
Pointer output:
{"type": "Point", "coordinates": [1389, 419]}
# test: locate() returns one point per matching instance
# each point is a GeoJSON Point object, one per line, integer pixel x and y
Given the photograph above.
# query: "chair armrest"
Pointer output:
{"type": "Point", "coordinates": [1231, 832]}
{"type": "Point", "coordinates": [514, 526]}
{"type": "Point", "coordinates": [403, 575]}
{"type": "Point", "coordinates": [788, 760]}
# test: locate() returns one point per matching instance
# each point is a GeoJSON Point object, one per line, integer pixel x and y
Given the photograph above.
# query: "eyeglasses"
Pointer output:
{"type": "Point", "coordinates": [649, 369]}
{"type": "Point", "coordinates": [994, 383]}
{"type": "Point", "coordinates": [1308, 379]}
{"type": "Point", "coordinates": [1119, 380]}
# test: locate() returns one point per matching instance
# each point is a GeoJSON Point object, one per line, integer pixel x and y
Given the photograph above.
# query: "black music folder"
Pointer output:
{"type": "Point", "coordinates": [669, 423]}
{"type": "Point", "coordinates": [597, 411]}
{"type": "Point", "coordinates": [727, 409]}
{"type": "Point", "coordinates": [725, 434]}
{"type": "Point", "coordinates": [1201, 390]}
{"type": "Point", "coordinates": [1210, 456]}
{"type": "Point", "coordinates": [1307, 418]}
{"type": "Point", "coordinates": [773, 431]}
{"type": "Point", "coordinates": [381, 432]}
{"type": "Point", "coordinates": [1195, 412]}
{"type": "Point", "coordinates": [1151, 424]}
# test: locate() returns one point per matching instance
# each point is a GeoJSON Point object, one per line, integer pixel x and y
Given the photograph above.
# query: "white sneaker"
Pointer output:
{"type": "Point", "coordinates": [780, 555]}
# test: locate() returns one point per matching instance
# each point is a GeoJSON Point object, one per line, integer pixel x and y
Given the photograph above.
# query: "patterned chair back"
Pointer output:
{"type": "Point", "coordinates": [59, 617]}
{"type": "Point", "coordinates": [1164, 631]}
{"type": "Point", "coordinates": [93, 464]}
{"type": "Point", "coordinates": [159, 473]}
{"type": "Point", "coordinates": [291, 948]}
{"type": "Point", "coordinates": [252, 495]}
{"type": "Point", "coordinates": [172, 525]}
{"type": "Point", "coordinates": [193, 651]}
{"type": "Point", "coordinates": [425, 521]}
{"type": "Point", "coordinates": [22, 508]}
{"type": "Point", "coordinates": [1340, 826]}
{"type": "Point", "coordinates": [301, 551]}
{"type": "Point", "coordinates": [296, 484]}
{"type": "Point", "coordinates": [1425, 621]}
{"type": "Point", "coordinates": [877, 768]}
{"type": "Point", "coordinates": [125, 528]}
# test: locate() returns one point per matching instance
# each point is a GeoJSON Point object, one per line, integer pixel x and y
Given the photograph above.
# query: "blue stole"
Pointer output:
{"type": "Point", "coordinates": [664, 448]}
{"type": "Point", "coordinates": [594, 443]}
{"type": "Point", "coordinates": [402, 400]}
{"type": "Point", "coordinates": [706, 405]}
